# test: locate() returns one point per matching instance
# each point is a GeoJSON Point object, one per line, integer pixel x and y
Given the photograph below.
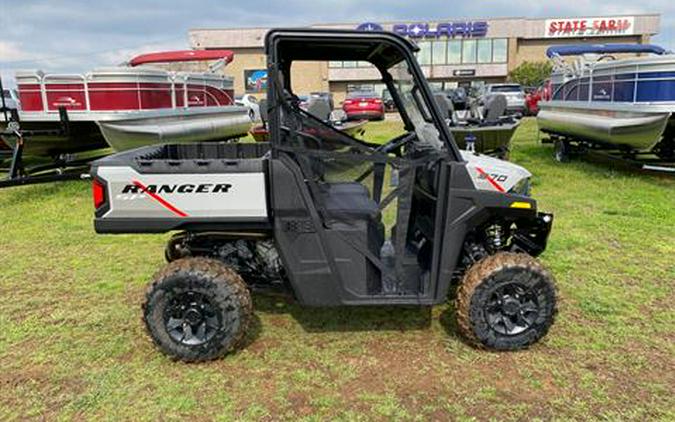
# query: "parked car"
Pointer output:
{"type": "Point", "coordinates": [515, 96]}
{"type": "Point", "coordinates": [363, 105]}
{"type": "Point", "coordinates": [251, 102]}
{"type": "Point", "coordinates": [388, 100]}
{"type": "Point", "coordinates": [327, 96]}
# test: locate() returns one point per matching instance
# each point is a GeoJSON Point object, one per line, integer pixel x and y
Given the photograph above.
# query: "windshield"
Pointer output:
{"type": "Point", "coordinates": [414, 106]}
{"type": "Point", "coordinates": [506, 88]}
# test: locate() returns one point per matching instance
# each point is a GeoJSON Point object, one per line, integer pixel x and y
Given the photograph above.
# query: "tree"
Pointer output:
{"type": "Point", "coordinates": [531, 73]}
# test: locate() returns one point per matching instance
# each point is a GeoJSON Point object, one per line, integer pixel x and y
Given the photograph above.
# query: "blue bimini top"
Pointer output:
{"type": "Point", "coordinates": [578, 49]}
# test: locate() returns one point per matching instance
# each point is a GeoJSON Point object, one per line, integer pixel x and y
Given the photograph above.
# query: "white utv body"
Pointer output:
{"type": "Point", "coordinates": [314, 213]}
{"type": "Point", "coordinates": [157, 199]}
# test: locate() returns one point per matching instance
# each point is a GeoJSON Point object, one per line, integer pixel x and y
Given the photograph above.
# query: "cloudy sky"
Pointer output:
{"type": "Point", "coordinates": [76, 35]}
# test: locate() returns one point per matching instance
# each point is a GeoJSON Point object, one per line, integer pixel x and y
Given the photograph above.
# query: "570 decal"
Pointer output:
{"type": "Point", "coordinates": [493, 179]}
{"type": "Point", "coordinates": [494, 176]}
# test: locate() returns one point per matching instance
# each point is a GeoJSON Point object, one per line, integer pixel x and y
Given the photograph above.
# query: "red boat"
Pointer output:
{"type": "Point", "coordinates": [127, 107]}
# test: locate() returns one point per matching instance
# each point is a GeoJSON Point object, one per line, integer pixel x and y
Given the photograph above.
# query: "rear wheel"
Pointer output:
{"type": "Point", "coordinates": [197, 309]}
{"type": "Point", "coordinates": [665, 149]}
{"type": "Point", "coordinates": [506, 301]}
{"type": "Point", "coordinates": [561, 151]}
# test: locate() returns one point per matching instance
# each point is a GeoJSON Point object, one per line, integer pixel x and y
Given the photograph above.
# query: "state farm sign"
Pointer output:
{"type": "Point", "coordinates": [589, 27]}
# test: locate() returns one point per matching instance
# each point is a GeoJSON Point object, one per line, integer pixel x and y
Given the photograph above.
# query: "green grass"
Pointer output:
{"type": "Point", "coordinates": [72, 345]}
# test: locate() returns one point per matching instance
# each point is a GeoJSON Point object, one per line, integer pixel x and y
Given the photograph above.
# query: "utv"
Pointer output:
{"type": "Point", "coordinates": [305, 213]}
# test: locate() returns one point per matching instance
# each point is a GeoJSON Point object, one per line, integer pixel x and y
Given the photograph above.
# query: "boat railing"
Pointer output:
{"type": "Point", "coordinates": [94, 92]}
{"type": "Point", "coordinates": [625, 84]}
{"type": "Point", "coordinates": [64, 77]}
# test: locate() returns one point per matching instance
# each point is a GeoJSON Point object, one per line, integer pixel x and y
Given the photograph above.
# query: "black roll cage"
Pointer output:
{"type": "Point", "coordinates": [278, 69]}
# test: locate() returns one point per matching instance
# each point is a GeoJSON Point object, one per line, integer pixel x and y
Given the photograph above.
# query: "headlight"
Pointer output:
{"type": "Point", "coordinates": [521, 188]}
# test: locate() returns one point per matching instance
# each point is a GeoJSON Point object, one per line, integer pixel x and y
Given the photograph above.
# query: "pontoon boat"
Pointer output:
{"type": "Point", "coordinates": [601, 102]}
{"type": "Point", "coordinates": [127, 107]}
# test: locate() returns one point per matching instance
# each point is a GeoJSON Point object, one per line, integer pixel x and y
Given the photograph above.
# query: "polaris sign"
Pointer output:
{"type": "Point", "coordinates": [470, 29]}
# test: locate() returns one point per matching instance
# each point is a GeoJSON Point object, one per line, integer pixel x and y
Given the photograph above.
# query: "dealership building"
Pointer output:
{"type": "Point", "coordinates": [452, 51]}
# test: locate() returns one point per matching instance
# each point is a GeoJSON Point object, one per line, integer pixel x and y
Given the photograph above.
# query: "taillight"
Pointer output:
{"type": "Point", "coordinates": [98, 190]}
{"type": "Point", "coordinates": [378, 101]}
{"type": "Point", "coordinates": [347, 102]}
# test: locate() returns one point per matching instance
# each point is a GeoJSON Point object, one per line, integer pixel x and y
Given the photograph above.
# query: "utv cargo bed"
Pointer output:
{"type": "Point", "coordinates": [186, 186]}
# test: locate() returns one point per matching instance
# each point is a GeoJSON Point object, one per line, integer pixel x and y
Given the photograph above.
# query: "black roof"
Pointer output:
{"type": "Point", "coordinates": [383, 49]}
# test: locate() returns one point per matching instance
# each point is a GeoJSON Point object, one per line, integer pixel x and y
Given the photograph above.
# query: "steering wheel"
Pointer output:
{"type": "Point", "coordinates": [397, 143]}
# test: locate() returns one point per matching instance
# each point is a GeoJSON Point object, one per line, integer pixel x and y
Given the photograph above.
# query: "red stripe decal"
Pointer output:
{"type": "Point", "coordinates": [159, 199]}
{"type": "Point", "coordinates": [491, 180]}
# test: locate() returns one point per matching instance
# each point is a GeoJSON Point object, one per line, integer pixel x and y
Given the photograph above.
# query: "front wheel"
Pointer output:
{"type": "Point", "coordinates": [506, 301]}
{"type": "Point", "coordinates": [197, 309]}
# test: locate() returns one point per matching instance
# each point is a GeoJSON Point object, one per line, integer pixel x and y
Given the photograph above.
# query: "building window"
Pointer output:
{"type": "Point", "coordinates": [454, 52]}
{"type": "Point", "coordinates": [439, 52]}
{"type": "Point", "coordinates": [469, 51]}
{"type": "Point", "coordinates": [484, 51]}
{"type": "Point", "coordinates": [436, 86]}
{"type": "Point", "coordinates": [499, 50]}
{"type": "Point", "coordinates": [424, 55]}
{"type": "Point", "coordinates": [379, 89]}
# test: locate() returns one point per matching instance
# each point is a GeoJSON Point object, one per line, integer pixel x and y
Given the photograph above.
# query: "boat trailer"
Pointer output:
{"type": "Point", "coordinates": [567, 147]}
{"type": "Point", "coordinates": [62, 168]}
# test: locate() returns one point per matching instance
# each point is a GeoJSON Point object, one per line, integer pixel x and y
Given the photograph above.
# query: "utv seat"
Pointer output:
{"type": "Point", "coordinates": [348, 205]}
{"type": "Point", "coordinates": [349, 200]}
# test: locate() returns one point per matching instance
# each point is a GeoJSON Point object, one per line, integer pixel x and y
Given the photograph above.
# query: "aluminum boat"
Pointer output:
{"type": "Point", "coordinates": [625, 104]}
{"type": "Point", "coordinates": [485, 129]}
{"type": "Point", "coordinates": [126, 107]}
{"type": "Point", "coordinates": [493, 139]}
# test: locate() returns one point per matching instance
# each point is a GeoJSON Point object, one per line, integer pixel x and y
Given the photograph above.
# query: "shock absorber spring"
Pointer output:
{"type": "Point", "coordinates": [494, 236]}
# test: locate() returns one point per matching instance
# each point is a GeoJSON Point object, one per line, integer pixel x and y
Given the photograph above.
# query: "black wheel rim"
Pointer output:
{"type": "Point", "coordinates": [512, 308]}
{"type": "Point", "coordinates": [191, 319]}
